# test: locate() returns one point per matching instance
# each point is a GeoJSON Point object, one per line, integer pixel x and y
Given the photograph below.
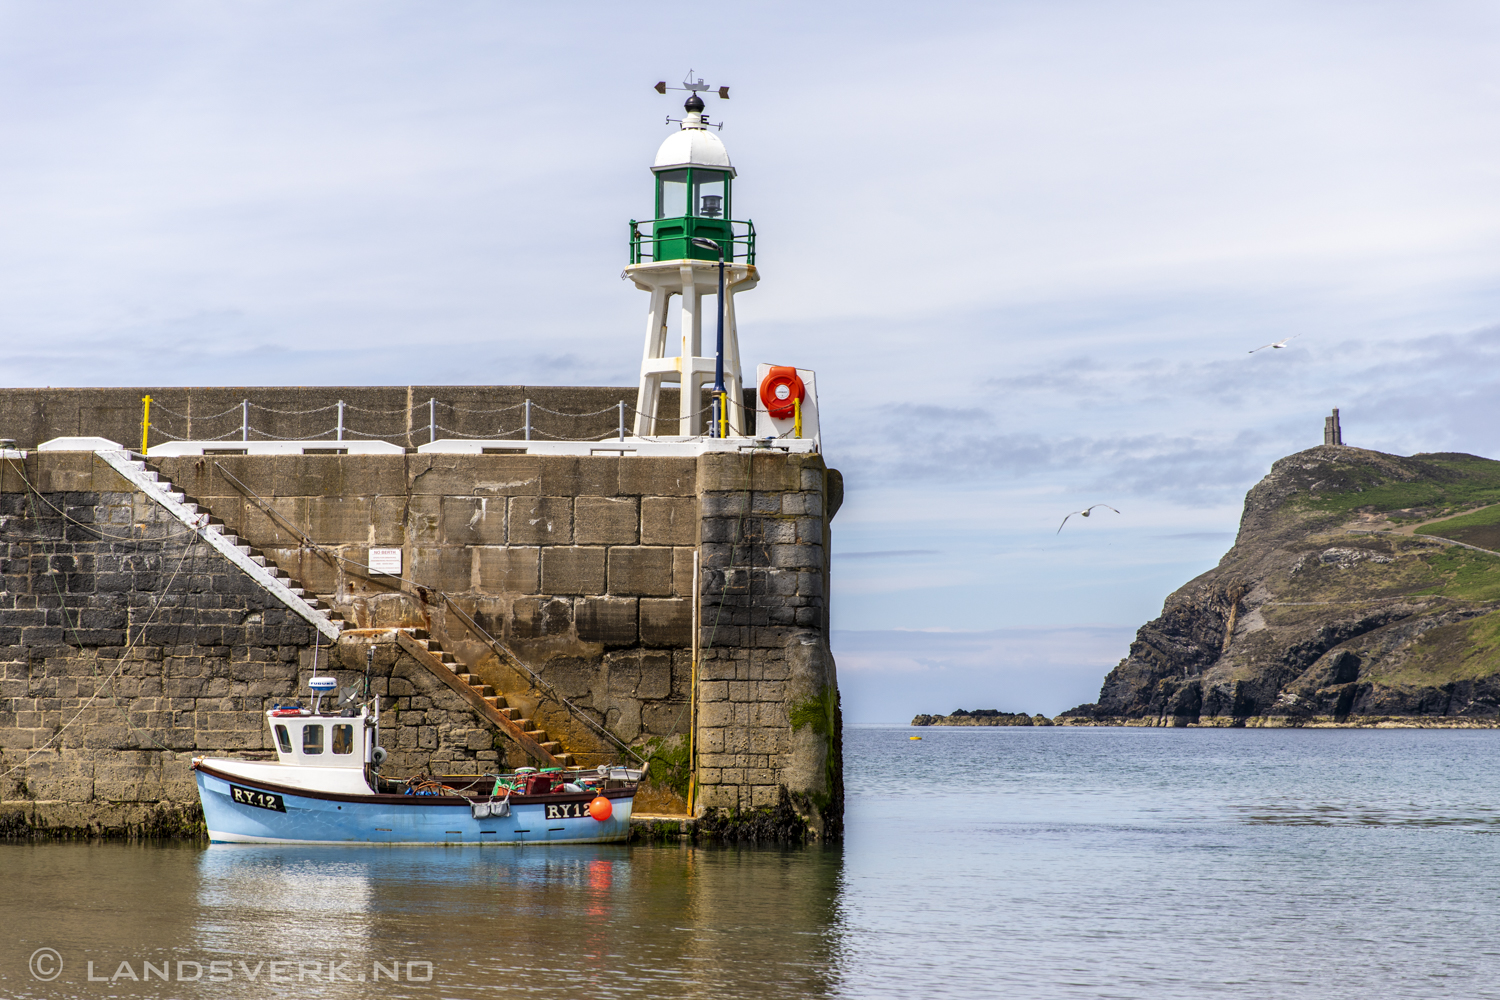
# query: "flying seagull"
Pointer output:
{"type": "Point", "coordinates": [1278, 345]}
{"type": "Point", "coordinates": [1084, 513]}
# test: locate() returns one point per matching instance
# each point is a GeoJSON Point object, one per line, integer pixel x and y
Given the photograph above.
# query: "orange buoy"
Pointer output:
{"type": "Point", "coordinates": [601, 809]}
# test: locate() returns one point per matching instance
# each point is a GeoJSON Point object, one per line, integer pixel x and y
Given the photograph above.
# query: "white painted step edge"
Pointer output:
{"type": "Point", "coordinates": [134, 470]}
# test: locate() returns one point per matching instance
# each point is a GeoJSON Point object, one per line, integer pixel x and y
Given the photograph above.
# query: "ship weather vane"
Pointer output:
{"type": "Point", "coordinates": [694, 102]}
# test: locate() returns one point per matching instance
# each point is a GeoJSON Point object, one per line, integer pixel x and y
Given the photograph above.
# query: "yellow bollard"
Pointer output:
{"type": "Point", "coordinates": [797, 416]}
{"type": "Point", "coordinates": [723, 414]}
{"type": "Point", "coordinates": [145, 422]}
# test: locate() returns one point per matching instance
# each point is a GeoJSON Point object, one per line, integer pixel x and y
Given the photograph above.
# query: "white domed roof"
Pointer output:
{"type": "Point", "coordinates": [692, 146]}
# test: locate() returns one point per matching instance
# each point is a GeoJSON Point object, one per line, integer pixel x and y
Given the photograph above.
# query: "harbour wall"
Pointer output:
{"type": "Point", "coordinates": [583, 567]}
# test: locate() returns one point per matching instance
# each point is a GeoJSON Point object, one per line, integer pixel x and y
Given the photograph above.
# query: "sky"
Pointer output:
{"type": "Point", "coordinates": [1027, 247]}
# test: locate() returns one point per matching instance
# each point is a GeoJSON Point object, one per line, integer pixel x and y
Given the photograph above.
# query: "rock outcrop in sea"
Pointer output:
{"type": "Point", "coordinates": [982, 717]}
{"type": "Point", "coordinates": [1361, 587]}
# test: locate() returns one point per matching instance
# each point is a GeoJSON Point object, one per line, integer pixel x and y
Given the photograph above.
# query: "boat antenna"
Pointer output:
{"type": "Point", "coordinates": [319, 685]}
{"type": "Point", "coordinates": [369, 665]}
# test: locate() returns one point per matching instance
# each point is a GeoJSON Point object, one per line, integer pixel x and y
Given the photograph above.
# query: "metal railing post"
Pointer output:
{"type": "Point", "coordinates": [341, 420]}
{"type": "Point", "coordinates": [432, 420]}
{"type": "Point", "coordinates": [528, 420]}
{"type": "Point", "coordinates": [622, 420]}
{"type": "Point", "coordinates": [244, 420]}
{"type": "Point", "coordinates": [145, 422]}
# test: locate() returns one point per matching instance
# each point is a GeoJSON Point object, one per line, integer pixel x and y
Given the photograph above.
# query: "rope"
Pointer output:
{"type": "Point", "coordinates": [89, 527]}
{"type": "Point", "coordinates": [72, 624]}
{"type": "Point", "coordinates": [464, 409]}
{"type": "Point", "coordinates": [558, 413]}
{"type": "Point", "coordinates": [130, 644]}
{"type": "Point", "coordinates": [316, 437]}
{"type": "Point", "coordinates": [168, 434]}
{"type": "Point", "coordinates": [295, 413]}
{"type": "Point", "coordinates": [491, 435]}
{"type": "Point", "coordinates": [157, 406]}
{"type": "Point", "coordinates": [469, 623]}
{"type": "Point", "coordinates": [368, 434]}
{"type": "Point", "coordinates": [381, 413]}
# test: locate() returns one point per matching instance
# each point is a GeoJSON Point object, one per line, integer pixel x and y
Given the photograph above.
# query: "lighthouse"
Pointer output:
{"type": "Point", "coordinates": [695, 250]}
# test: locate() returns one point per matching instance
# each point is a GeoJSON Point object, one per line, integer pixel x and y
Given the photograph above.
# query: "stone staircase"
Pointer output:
{"type": "Point", "coordinates": [216, 525]}
{"type": "Point", "coordinates": [252, 561]}
{"type": "Point", "coordinates": [430, 653]}
{"type": "Point", "coordinates": [417, 642]}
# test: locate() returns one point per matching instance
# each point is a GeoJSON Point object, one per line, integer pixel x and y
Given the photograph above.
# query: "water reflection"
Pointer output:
{"type": "Point", "coordinates": [1032, 862]}
{"type": "Point", "coordinates": [597, 922]}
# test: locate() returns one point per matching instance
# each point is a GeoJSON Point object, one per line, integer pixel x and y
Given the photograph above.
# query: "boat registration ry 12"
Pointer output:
{"type": "Point", "coordinates": [251, 797]}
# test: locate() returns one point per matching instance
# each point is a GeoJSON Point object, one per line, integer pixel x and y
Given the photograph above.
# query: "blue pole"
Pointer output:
{"type": "Point", "coordinates": [719, 360]}
{"type": "Point", "coordinates": [719, 414]}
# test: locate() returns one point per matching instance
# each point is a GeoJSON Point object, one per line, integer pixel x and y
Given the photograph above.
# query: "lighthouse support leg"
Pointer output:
{"type": "Point", "coordinates": [733, 383]}
{"type": "Point", "coordinates": [648, 396]}
{"type": "Point", "coordinates": [690, 420]}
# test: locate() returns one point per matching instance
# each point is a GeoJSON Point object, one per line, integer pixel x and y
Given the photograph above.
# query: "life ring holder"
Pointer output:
{"type": "Point", "coordinates": [781, 390]}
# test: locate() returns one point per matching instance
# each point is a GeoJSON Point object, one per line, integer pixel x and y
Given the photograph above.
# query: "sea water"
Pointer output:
{"type": "Point", "coordinates": [1043, 862]}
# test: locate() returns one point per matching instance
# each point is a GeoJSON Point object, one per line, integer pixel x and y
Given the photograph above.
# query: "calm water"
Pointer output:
{"type": "Point", "coordinates": [1037, 863]}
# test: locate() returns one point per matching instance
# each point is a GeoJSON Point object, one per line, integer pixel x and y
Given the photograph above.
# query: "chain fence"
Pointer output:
{"type": "Point", "coordinates": [419, 422]}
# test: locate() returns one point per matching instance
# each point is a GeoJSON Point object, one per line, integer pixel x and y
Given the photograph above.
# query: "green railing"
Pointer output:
{"type": "Point", "coordinates": [671, 239]}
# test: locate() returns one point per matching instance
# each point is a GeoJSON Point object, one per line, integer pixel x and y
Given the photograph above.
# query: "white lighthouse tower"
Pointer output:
{"type": "Point", "coordinates": [692, 248]}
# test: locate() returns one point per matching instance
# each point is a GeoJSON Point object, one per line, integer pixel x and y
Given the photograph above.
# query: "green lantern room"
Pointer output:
{"type": "Point", "coordinates": [694, 198]}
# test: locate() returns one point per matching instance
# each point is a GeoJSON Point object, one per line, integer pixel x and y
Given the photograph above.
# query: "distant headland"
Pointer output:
{"type": "Point", "coordinates": [1363, 589]}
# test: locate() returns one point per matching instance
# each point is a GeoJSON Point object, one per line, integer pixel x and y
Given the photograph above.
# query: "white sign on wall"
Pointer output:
{"type": "Point", "coordinates": [387, 561]}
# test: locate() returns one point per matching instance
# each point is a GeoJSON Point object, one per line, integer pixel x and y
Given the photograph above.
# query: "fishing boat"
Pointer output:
{"type": "Point", "coordinates": [325, 787]}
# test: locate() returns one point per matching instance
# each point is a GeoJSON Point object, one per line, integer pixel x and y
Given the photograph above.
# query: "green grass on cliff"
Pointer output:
{"type": "Point", "coordinates": [1481, 528]}
{"type": "Point", "coordinates": [1479, 485]}
{"type": "Point", "coordinates": [1457, 651]}
{"type": "Point", "coordinates": [1466, 575]}
{"type": "Point", "coordinates": [1487, 517]}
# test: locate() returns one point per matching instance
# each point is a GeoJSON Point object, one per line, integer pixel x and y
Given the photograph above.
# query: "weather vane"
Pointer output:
{"type": "Point", "coordinates": [696, 86]}
{"type": "Point", "coordinates": [694, 102]}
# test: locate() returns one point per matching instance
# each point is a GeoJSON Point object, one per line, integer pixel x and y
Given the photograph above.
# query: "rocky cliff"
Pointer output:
{"type": "Point", "coordinates": [1360, 586]}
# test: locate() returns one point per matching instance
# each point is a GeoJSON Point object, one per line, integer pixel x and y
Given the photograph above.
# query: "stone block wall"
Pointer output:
{"type": "Point", "coordinates": [768, 719]}
{"type": "Point", "coordinates": [127, 647]}
{"type": "Point", "coordinates": [582, 566]}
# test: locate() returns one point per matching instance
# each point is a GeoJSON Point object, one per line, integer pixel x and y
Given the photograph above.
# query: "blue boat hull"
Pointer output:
{"type": "Point", "coordinates": [239, 811]}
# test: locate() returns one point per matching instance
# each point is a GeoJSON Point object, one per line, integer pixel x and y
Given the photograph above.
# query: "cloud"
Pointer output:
{"type": "Point", "coordinates": [1052, 312]}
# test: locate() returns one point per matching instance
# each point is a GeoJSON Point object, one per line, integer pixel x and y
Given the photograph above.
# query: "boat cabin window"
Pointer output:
{"type": "Point", "coordinates": [343, 739]}
{"type": "Point", "coordinates": [283, 739]}
{"type": "Point", "coordinates": [312, 739]}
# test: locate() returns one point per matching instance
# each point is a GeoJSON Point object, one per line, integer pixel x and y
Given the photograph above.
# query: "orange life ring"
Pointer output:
{"type": "Point", "coordinates": [780, 390]}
